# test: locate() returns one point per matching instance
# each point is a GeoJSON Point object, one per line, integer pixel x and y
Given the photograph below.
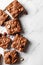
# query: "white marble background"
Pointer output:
{"type": "Point", "coordinates": [33, 30]}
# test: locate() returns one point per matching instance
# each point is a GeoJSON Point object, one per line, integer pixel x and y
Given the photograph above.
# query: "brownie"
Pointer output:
{"type": "Point", "coordinates": [0, 57]}
{"type": "Point", "coordinates": [11, 57]}
{"type": "Point", "coordinates": [3, 17]}
{"type": "Point", "coordinates": [13, 26]}
{"type": "Point", "coordinates": [15, 8]}
{"type": "Point", "coordinates": [19, 42]}
{"type": "Point", "coordinates": [4, 41]}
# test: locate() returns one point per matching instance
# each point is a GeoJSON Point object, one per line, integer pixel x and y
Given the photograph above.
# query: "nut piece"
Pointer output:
{"type": "Point", "coordinates": [19, 42]}
{"type": "Point", "coordinates": [11, 57]}
{"type": "Point", "coordinates": [3, 17]}
{"type": "Point", "coordinates": [15, 8]}
{"type": "Point", "coordinates": [4, 41]}
{"type": "Point", "coordinates": [13, 26]}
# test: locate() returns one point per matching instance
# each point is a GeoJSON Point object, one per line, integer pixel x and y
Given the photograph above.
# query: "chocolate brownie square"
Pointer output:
{"type": "Point", "coordinates": [15, 8]}
{"type": "Point", "coordinates": [4, 41]}
{"type": "Point", "coordinates": [11, 57]}
{"type": "Point", "coordinates": [19, 42]}
{"type": "Point", "coordinates": [13, 26]}
{"type": "Point", "coordinates": [3, 17]}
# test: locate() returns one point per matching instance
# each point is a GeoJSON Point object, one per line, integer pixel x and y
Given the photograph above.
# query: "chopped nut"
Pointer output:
{"type": "Point", "coordinates": [8, 26]}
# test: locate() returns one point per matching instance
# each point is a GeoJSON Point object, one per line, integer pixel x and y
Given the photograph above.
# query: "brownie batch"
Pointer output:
{"type": "Point", "coordinates": [12, 26]}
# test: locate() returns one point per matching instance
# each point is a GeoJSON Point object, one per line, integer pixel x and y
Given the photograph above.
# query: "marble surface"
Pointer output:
{"type": "Point", "coordinates": [33, 30]}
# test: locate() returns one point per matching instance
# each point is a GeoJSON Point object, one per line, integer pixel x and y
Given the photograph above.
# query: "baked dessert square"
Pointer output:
{"type": "Point", "coordinates": [13, 26]}
{"type": "Point", "coordinates": [3, 17]}
{"type": "Point", "coordinates": [15, 8]}
{"type": "Point", "coordinates": [19, 42]}
{"type": "Point", "coordinates": [11, 57]}
{"type": "Point", "coordinates": [4, 41]}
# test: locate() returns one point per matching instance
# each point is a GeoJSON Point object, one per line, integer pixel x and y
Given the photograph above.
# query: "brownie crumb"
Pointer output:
{"type": "Point", "coordinates": [22, 59]}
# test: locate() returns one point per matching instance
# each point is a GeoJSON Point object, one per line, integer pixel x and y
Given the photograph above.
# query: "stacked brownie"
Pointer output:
{"type": "Point", "coordinates": [13, 27]}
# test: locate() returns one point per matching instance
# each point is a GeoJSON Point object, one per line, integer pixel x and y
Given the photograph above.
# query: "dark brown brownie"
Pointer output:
{"type": "Point", "coordinates": [3, 17]}
{"type": "Point", "coordinates": [15, 8]}
{"type": "Point", "coordinates": [13, 26]}
{"type": "Point", "coordinates": [4, 41]}
{"type": "Point", "coordinates": [19, 42]}
{"type": "Point", "coordinates": [11, 57]}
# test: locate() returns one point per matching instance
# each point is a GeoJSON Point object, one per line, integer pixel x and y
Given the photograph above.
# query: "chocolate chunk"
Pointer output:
{"type": "Point", "coordinates": [19, 42]}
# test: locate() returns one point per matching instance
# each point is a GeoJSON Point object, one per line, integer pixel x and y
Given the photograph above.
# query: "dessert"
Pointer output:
{"type": "Point", "coordinates": [13, 26]}
{"type": "Point", "coordinates": [11, 57]}
{"type": "Point", "coordinates": [3, 17]}
{"type": "Point", "coordinates": [19, 42]}
{"type": "Point", "coordinates": [15, 8]}
{"type": "Point", "coordinates": [4, 41]}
